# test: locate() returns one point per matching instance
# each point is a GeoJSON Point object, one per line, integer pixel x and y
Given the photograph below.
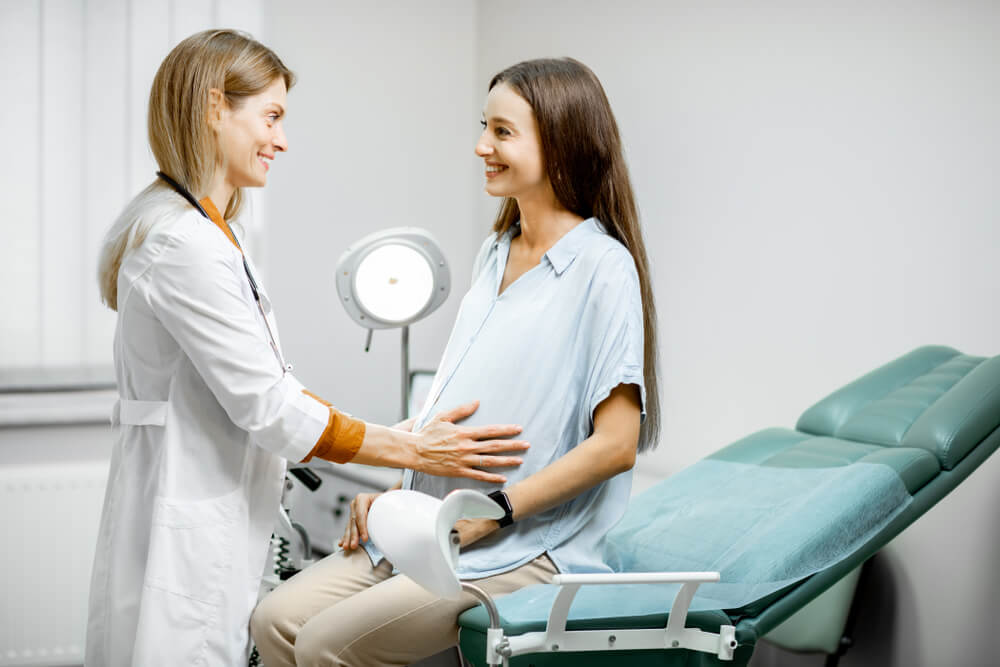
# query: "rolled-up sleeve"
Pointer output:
{"type": "Point", "coordinates": [615, 329]}
{"type": "Point", "coordinates": [196, 290]}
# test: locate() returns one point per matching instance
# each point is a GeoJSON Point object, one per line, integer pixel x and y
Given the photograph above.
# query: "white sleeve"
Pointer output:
{"type": "Point", "coordinates": [197, 291]}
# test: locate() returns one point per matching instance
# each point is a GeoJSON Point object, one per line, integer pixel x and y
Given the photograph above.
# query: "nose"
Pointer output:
{"type": "Point", "coordinates": [279, 140]}
{"type": "Point", "coordinates": [484, 148]}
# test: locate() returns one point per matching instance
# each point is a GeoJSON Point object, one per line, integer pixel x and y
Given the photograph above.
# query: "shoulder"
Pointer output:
{"type": "Point", "coordinates": [606, 258]}
{"type": "Point", "coordinates": [176, 228]}
{"type": "Point", "coordinates": [487, 245]}
{"type": "Point", "coordinates": [485, 250]}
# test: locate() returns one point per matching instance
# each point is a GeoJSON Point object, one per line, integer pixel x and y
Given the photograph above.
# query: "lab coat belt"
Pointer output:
{"type": "Point", "coordinates": [139, 413]}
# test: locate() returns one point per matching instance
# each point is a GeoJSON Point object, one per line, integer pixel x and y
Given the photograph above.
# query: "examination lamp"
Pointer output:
{"type": "Point", "coordinates": [391, 279]}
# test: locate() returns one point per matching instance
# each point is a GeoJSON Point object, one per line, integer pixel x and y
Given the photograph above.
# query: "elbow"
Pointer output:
{"type": "Point", "coordinates": [625, 460]}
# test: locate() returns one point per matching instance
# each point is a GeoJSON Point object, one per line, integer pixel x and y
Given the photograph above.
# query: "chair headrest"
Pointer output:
{"type": "Point", "coordinates": [934, 398]}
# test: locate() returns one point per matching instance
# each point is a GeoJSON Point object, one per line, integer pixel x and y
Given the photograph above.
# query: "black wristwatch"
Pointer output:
{"type": "Point", "coordinates": [501, 499]}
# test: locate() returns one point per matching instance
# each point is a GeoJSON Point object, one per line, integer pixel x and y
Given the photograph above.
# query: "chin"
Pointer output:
{"type": "Point", "coordinates": [494, 191]}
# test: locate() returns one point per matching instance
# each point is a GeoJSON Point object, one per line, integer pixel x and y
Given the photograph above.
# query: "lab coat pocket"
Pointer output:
{"type": "Point", "coordinates": [183, 617]}
{"type": "Point", "coordinates": [191, 547]}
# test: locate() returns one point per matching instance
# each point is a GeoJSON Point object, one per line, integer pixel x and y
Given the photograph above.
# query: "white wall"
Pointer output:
{"type": "Point", "coordinates": [381, 127]}
{"type": "Point", "coordinates": [816, 181]}
{"type": "Point", "coordinates": [76, 77]}
{"type": "Point", "coordinates": [818, 188]}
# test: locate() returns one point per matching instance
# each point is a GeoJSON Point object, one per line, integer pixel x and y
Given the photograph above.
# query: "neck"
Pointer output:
{"type": "Point", "coordinates": [220, 191]}
{"type": "Point", "coordinates": [544, 221]}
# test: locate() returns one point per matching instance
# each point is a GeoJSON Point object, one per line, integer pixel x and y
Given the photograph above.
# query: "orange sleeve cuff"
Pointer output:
{"type": "Point", "coordinates": [342, 437]}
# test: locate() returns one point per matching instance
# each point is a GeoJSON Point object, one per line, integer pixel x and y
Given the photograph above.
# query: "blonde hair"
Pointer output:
{"type": "Point", "coordinates": [183, 143]}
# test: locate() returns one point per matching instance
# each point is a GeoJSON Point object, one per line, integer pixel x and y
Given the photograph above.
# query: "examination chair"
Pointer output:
{"type": "Point", "coordinates": [916, 427]}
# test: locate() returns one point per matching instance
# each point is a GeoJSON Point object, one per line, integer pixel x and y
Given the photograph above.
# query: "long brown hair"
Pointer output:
{"type": "Point", "coordinates": [584, 162]}
{"type": "Point", "coordinates": [183, 143]}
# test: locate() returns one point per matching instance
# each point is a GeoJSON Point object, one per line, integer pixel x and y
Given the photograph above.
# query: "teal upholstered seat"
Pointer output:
{"type": "Point", "coordinates": [931, 416]}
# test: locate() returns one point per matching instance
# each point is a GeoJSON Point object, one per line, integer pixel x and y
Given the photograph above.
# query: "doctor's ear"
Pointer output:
{"type": "Point", "coordinates": [217, 107]}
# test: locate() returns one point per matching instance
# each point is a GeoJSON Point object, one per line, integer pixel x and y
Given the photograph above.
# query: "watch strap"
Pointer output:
{"type": "Point", "coordinates": [500, 498]}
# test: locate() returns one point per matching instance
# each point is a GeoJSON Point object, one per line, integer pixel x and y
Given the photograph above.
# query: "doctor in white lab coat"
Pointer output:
{"type": "Point", "coordinates": [209, 412]}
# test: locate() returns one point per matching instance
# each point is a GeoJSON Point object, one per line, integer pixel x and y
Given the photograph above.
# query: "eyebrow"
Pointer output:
{"type": "Point", "coordinates": [501, 120]}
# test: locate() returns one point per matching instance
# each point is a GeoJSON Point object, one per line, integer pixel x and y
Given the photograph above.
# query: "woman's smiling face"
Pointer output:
{"type": "Point", "coordinates": [510, 145]}
{"type": "Point", "coordinates": [251, 135]}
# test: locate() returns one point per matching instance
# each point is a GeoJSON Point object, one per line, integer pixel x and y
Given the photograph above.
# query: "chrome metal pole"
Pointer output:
{"type": "Point", "coordinates": [497, 646]}
{"type": "Point", "coordinates": [483, 596]}
{"type": "Point", "coordinates": [405, 343]}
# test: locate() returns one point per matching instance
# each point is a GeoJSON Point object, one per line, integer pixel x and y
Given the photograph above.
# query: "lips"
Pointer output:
{"type": "Point", "coordinates": [493, 169]}
{"type": "Point", "coordinates": [263, 157]}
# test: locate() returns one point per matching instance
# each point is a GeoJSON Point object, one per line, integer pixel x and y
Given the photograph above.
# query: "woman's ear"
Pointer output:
{"type": "Point", "coordinates": [216, 107]}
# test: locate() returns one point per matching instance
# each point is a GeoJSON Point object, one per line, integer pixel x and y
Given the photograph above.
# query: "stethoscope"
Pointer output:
{"type": "Point", "coordinates": [182, 191]}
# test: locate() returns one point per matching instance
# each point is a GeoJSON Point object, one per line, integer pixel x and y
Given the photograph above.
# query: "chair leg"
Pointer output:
{"type": "Point", "coordinates": [847, 640]}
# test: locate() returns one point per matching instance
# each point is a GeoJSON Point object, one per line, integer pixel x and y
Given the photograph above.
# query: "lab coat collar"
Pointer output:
{"type": "Point", "coordinates": [220, 222]}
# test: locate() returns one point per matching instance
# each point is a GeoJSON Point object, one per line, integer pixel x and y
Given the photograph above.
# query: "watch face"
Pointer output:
{"type": "Point", "coordinates": [501, 499]}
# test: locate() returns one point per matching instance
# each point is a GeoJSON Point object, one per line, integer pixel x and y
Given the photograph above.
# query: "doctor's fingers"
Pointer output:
{"type": "Point", "coordinates": [493, 431]}
{"type": "Point", "coordinates": [477, 474]}
{"type": "Point", "coordinates": [457, 414]}
{"type": "Point", "coordinates": [481, 459]}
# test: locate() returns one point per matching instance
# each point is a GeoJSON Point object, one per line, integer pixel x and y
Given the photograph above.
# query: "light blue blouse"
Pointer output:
{"type": "Point", "coordinates": [543, 354]}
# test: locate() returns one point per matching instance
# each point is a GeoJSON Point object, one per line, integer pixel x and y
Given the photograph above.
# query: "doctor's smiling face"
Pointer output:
{"type": "Point", "coordinates": [510, 146]}
{"type": "Point", "coordinates": [250, 133]}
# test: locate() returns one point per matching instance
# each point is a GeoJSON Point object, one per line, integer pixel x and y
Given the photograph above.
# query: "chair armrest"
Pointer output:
{"type": "Point", "coordinates": [635, 578]}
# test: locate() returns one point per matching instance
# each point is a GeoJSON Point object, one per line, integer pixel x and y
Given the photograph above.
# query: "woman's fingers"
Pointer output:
{"type": "Point", "coordinates": [356, 530]}
{"type": "Point", "coordinates": [345, 541]}
{"type": "Point", "coordinates": [459, 413]}
{"type": "Point", "coordinates": [362, 518]}
{"type": "Point", "coordinates": [350, 542]}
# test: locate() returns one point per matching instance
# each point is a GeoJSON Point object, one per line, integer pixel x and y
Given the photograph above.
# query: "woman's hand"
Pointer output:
{"type": "Point", "coordinates": [471, 530]}
{"type": "Point", "coordinates": [356, 530]}
{"type": "Point", "coordinates": [444, 449]}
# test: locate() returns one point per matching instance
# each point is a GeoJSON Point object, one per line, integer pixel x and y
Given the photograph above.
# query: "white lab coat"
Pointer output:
{"type": "Point", "coordinates": [204, 424]}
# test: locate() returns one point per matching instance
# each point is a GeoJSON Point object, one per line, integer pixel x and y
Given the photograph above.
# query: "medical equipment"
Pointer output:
{"type": "Point", "coordinates": [905, 434]}
{"type": "Point", "coordinates": [391, 279]}
{"type": "Point", "coordinates": [182, 191]}
{"type": "Point", "coordinates": [415, 532]}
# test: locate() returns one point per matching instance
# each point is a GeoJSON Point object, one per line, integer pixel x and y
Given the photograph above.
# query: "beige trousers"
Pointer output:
{"type": "Point", "coordinates": [342, 611]}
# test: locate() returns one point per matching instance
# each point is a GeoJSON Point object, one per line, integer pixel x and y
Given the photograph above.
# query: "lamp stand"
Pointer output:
{"type": "Point", "coordinates": [404, 341]}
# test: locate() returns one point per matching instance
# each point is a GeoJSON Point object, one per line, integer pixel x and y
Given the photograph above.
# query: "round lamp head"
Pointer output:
{"type": "Point", "coordinates": [392, 278]}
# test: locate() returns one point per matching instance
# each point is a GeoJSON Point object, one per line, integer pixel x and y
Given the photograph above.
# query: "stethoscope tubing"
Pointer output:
{"type": "Point", "coordinates": [182, 191]}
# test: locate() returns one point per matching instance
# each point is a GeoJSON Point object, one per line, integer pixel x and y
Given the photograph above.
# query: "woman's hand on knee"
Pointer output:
{"type": "Point", "coordinates": [356, 530]}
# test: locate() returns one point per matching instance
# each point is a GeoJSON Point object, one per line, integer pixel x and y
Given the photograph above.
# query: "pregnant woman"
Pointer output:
{"type": "Point", "coordinates": [556, 333]}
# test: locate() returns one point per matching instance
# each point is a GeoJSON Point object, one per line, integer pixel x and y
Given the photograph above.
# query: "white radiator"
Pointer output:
{"type": "Point", "coordinates": [49, 515]}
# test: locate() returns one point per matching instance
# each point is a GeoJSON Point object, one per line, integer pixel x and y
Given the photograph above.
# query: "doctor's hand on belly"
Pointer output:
{"type": "Point", "coordinates": [444, 448]}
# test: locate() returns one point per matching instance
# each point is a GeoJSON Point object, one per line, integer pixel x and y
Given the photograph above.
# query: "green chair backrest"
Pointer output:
{"type": "Point", "coordinates": [933, 398]}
